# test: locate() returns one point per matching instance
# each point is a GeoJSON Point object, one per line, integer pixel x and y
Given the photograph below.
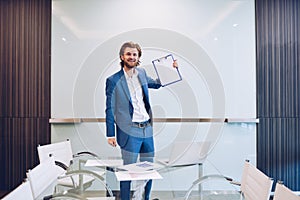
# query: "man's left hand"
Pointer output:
{"type": "Point", "coordinates": [175, 64]}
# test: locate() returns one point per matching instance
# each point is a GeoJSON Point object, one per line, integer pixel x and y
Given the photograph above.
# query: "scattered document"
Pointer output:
{"type": "Point", "coordinates": [106, 163]}
{"type": "Point", "coordinates": [140, 167]}
{"type": "Point", "coordinates": [132, 176]}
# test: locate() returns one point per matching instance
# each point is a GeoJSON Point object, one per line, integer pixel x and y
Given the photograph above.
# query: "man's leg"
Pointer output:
{"type": "Point", "coordinates": [128, 157]}
{"type": "Point", "coordinates": [148, 189]}
{"type": "Point", "coordinates": [125, 190]}
{"type": "Point", "coordinates": [147, 154]}
{"type": "Point", "coordinates": [145, 157]}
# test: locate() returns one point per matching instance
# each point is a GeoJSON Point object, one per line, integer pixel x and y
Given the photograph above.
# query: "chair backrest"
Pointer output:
{"type": "Point", "coordinates": [255, 185]}
{"type": "Point", "coordinates": [60, 151]}
{"type": "Point", "coordinates": [23, 191]}
{"type": "Point", "coordinates": [284, 193]}
{"type": "Point", "coordinates": [43, 176]}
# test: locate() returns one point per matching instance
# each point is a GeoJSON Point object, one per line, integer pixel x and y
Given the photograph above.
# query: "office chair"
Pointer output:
{"type": "Point", "coordinates": [73, 177]}
{"type": "Point", "coordinates": [254, 184]}
{"type": "Point", "coordinates": [62, 153]}
{"type": "Point", "coordinates": [42, 180]}
{"type": "Point", "coordinates": [284, 193]}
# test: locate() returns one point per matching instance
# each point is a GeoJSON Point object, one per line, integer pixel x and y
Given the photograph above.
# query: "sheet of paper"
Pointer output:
{"type": "Point", "coordinates": [140, 167]}
{"type": "Point", "coordinates": [131, 176]}
{"type": "Point", "coordinates": [107, 163]}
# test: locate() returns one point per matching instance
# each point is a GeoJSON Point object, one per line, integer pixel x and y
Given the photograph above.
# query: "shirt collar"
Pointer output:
{"type": "Point", "coordinates": [131, 73]}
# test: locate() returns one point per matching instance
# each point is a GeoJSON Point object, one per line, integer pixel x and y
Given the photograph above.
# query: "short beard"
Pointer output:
{"type": "Point", "coordinates": [130, 66]}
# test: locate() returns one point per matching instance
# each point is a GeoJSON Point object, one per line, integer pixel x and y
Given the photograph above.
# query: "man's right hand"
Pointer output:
{"type": "Point", "coordinates": [112, 142]}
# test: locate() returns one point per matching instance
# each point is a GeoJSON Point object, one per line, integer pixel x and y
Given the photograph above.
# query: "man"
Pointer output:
{"type": "Point", "coordinates": [128, 112]}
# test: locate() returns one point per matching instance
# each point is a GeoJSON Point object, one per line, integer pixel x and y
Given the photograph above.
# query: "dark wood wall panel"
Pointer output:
{"type": "Point", "coordinates": [278, 60]}
{"type": "Point", "coordinates": [19, 141]}
{"type": "Point", "coordinates": [278, 89]}
{"type": "Point", "coordinates": [25, 47]}
{"type": "Point", "coordinates": [279, 150]}
{"type": "Point", "coordinates": [25, 30]}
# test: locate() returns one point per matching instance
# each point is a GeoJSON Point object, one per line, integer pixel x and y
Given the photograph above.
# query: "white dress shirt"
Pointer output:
{"type": "Point", "coordinates": [139, 111]}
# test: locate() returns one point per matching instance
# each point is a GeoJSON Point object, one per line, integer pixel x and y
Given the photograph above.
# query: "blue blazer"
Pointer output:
{"type": "Point", "coordinates": [119, 108]}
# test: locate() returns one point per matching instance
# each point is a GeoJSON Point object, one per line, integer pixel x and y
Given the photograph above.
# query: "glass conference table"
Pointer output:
{"type": "Point", "coordinates": [200, 186]}
{"type": "Point", "coordinates": [204, 187]}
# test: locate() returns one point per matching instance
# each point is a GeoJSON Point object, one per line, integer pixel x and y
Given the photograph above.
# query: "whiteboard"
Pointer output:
{"type": "Point", "coordinates": [213, 42]}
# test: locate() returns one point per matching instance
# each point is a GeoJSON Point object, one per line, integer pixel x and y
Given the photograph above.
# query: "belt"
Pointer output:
{"type": "Point", "coordinates": [141, 124]}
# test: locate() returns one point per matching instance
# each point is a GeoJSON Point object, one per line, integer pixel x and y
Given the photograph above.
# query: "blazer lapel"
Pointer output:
{"type": "Point", "coordinates": [124, 85]}
{"type": "Point", "coordinates": [144, 85]}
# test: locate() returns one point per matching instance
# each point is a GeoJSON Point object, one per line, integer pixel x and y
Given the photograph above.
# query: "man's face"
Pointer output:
{"type": "Point", "coordinates": [130, 57]}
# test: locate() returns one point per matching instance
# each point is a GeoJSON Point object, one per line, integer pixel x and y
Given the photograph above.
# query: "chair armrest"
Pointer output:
{"type": "Point", "coordinates": [233, 182]}
{"type": "Point", "coordinates": [92, 174]}
{"type": "Point", "coordinates": [202, 180]}
{"type": "Point", "coordinates": [86, 153]}
{"type": "Point", "coordinates": [62, 165]}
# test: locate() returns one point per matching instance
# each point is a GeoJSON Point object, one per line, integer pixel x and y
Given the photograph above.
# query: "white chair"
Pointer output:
{"type": "Point", "coordinates": [61, 151]}
{"type": "Point", "coordinates": [42, 177]}
{"type": "Point", "coordinates": [255, 185]}
{"type": "Point", "coordinates": [63, 156]}
{"type": "Point", "coordinates": [74, 178]}
{"type": "Point", "coordinates": [284, 193]}
{"type": "Point", "coordinates": [23, 191]}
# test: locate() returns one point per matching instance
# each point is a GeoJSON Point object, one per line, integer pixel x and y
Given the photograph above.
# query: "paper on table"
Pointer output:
{"type": "Point", "coordinates": [131, 176]}
{"type": "Point", "coordinates": [140, 167]}
{"type": "Point", "coordinates": [107, 163]}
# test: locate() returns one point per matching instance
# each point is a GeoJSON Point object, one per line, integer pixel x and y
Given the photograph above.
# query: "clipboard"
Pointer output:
{"type": "Point", "coordinates": [165, 71]}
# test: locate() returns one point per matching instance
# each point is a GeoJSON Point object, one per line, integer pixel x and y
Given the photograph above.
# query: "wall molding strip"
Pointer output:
{"type": "Point", "coordinates": [169, 120]}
